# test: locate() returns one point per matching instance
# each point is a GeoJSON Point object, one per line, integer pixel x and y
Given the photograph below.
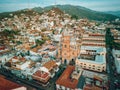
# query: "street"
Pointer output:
{"type": "Point", "coordinates": [32, 83]}
{"type": "Point", "coordinates": [111, 68]}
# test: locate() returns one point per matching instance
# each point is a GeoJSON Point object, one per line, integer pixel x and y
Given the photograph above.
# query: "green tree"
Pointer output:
{"type": "Point", "coordinates": [28, 52]}
{"type": "Point", "coordinates": [19, 42]}
{"type": "Point", "coordinates": [40, 42]}
{"type": "Point", "coordinates": [74, 17]}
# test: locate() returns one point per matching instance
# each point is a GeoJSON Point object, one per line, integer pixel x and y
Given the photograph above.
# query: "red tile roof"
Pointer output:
{"type": "Point", "coordinates": [50, 65]}
{"type": "Point", "coordinates": [87, 87]}
{"type": "Point", "coordinates": [15, 57]}
{"type": "Point", "coordinates": [98, 78]}
{"type": "Point", "coordinates": [65, 80]}
{"type": "Point", "coordinates": [7, 85]}
{"type": "Point", "coordinates": [22, 59]}
{"type": "Point", "coordinates": [97, 34]}
{"type": "Point", "coordinates": [2, 47]}
{"type": "Point", "coordinates": [41, 74]}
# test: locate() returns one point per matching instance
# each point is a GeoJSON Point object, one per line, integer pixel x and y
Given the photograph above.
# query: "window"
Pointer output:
{"type": "Point", "coordinates": [103, 67]}
{"type": "Point", "coordinates": [98, 69]}
{"type": "Point", "coordinates": [65, 46]}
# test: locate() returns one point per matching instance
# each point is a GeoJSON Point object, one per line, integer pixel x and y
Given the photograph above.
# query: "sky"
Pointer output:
{"type": "Point", "coordinates": [98, 5]}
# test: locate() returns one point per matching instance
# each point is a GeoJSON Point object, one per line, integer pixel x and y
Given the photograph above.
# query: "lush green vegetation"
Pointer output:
{"type": "Point", "coordinates": [34, 46]}
{"type": "Point", "coordinates": [116, 45]}
{"type": "Point", "coordinates": [4, 15]}
{"type": "Point", "coordinates": [116, 13]}
{"type": "Point", "coordinates": [9, 34]}
{"type": "Point", "coordinates": [18, 42]}
{"type": "Point", "coordinates": [82, 12]}
{"type": "Point", "coordinates": [75, 11]}
{"type": "Point", "coordinates": [40, 42]}
{"type": "Point", "coordinates": [28, 53]}
{"type": "Point", "coordinates": [110, 40]}
{"type": "Point", "coordinates": [18, 13]}
{"type": "Point", "coordinates": [74, 17]}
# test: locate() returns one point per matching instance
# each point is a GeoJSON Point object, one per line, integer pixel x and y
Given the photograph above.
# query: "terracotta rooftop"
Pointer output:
{"type": "Point", "coordinates": [34, 31]}
{"type": "Point", "coordinates": [41, 74]}
{"type": "Point", "coordinates": [2, 47]}
{"type": "Point", "coordinates": [15, 57]}
{"type": "Point", "coordinates": [98, 78]}
{"type": "Point", "coordinates": [19, 59]}
{"type": "Point", "coordinates": [87, 87]}
{"type": "Point", "coordinates": [50, 64]}
{"type": "Point", "coordinates": [64, 79]}
{"type": "Point", "coordinates": [92, 44]}
{"type": "Point", "coordinates": [7, 85]}
{"type": "Point", "coordinates": [22, 59]}
{"type": "Point", "coordinates": [97, 34]}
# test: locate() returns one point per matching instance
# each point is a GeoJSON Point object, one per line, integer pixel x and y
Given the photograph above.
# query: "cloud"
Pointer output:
{"type": "Point", "coordinates": [103, 6]}
{"type": "Point", "coordinates": [13, 7]}
{"type": "Point", "coordinates": [99, 5]}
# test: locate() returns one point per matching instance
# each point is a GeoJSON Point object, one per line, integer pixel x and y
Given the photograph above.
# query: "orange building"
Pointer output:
{"type": "Point", "coordinates": [41, 76]}
{"type": "Point", "coordinates": [69, 48]}
{"type": "Point", "coordinates": [65, 81]}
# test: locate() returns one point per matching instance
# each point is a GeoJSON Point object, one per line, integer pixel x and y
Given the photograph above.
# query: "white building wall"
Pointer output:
{"type": "Point", "coordinates": [91, 66]}
{"type": "Point", "coordinates": [53, 53]}
{"type": "Point", "coordinates": [116, 54]}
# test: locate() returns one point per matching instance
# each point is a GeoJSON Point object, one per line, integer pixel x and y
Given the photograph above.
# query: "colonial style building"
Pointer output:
{"type": "Point", "coordinates": [92, 58]}
{"type": "Point", "coordinates": [93, 39]}
{"type": "Point", "coordinates": [116, 55]}
{"type": "Point", "coordinates": [41, 76]}
{"type": "Point", "coordinates": [51, 67]}
{"type": "Point", "coordinates": [69, 79]}
{"type": "Point", "coordinates": [69, 48]}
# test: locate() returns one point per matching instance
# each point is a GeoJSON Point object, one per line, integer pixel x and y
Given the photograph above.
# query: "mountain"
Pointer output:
{"type": "Point", "coordinates": [38, 9]}
{"type": "Point", "coordinates": [81, 12]}
{"type": "Point", "coordinates": [116, 13]}
{"type": "Point", "coordinates": [77, 11]}
{"type": "Point", "coordinates": [25, 11]}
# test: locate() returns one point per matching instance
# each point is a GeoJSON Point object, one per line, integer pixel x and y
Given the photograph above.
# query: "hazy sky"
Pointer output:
{"type": "Point", "coordinates": [98, 5]}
